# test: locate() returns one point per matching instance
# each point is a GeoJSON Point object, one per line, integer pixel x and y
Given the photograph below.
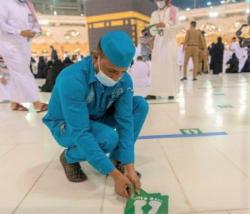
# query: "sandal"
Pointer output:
{"type": "Point", "coordinates": [19, 107]}
{"type": "Point", "coordinates": [43, 108]}
{"type": "Point", "coordinates": [73, 172]}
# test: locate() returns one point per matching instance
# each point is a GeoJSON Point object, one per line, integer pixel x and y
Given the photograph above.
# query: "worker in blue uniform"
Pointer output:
{"type": "Point", "coordinates": [94, 115]}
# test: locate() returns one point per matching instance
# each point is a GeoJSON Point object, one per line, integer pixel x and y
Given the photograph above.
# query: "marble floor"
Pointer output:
{"type": "Point", "coordinates": [206, 172]}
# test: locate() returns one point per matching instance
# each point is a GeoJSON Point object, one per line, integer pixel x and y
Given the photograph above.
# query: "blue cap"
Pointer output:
{"type": "Point", "coordinates": [118, 48]}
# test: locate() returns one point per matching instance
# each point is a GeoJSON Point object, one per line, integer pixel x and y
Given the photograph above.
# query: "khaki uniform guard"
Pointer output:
{"type": "Point", "coordinates": [193, 43]}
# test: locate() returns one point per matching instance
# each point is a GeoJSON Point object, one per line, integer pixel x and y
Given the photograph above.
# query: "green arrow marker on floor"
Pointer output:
{"type": "Point", "coordinates": [191, 131]}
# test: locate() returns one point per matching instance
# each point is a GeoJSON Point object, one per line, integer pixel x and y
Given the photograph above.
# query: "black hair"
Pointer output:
{"type": "Point", "coordinates": [139, 58]}
{"type": "Point", "coordinates": [193, 23]}
{"type": "Point", "coordinates": [144, 30]}
{"type": "Point", "coordinates": [219, 39]}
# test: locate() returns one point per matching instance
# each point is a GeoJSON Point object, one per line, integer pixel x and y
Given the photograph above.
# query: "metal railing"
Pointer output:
{"type": "Point", "coordinates": [57, 7]}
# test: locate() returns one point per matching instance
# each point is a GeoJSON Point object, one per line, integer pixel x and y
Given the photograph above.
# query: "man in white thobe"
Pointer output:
{"type": "Point", "coordinates": [240, 52]}
{"type": "Point", "coordinates": [140, 73]}
{"type": "Point", "coordinates": [165, 74]}
{"type": "Point", "coordinates": [18, 25]}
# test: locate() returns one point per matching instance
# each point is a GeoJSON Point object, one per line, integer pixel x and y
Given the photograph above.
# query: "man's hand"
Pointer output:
{"type": "Point", "coordinates": [161, 25]}
{"type": "Point", "coordinates": [28, 34]}
{"type": "Point", "coordinates": [131, 174]}
{"type": "Point", "coordinates": [122, 183]}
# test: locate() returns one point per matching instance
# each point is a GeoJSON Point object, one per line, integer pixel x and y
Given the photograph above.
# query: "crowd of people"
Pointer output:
{"type": "Point", "coordinates": [164, 64]}
{"type": "Point", "coordinates": [42, 68]}
{"type": "Point", "coordinates": [192, 55]}
{"type": "Point", "coordinates": [92, 111]}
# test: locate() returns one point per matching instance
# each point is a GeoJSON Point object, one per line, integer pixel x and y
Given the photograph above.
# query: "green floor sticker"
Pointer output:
{"type": "Point", "coordinates": [225, 106]}
{"type": "Point", "coordinates": [219, 94]}
{"type": "Point", "coordinates": [145, 203]}
{"type": "Point", "coordinates": [191, 131]}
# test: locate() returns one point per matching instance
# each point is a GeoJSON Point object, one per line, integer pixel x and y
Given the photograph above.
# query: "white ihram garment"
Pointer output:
{"type": "Point", "coordinates": [140, 73]}
{"type": "Point", "coordinates": [16, 51]}
{"type": "Point", "coordinates": [241, 54]}
{"type": "Point", "coordinates": [165, 72]}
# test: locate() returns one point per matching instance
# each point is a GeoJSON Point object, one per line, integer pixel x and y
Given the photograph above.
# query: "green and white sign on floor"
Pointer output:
{"type": "Point", "coordinates": [191, 131]}
{"type": "Point", "coordinates": [145, 203]}
{"type": "Point", "coordinates": [225, 106]}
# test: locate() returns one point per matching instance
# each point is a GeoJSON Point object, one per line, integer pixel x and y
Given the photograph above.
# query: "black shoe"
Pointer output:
{"type": "Point", "coordinates": [184, 78]}
{"type": "Point", "coordinates": [151, 97]}
{"type": "Point", "coordinates": [194, 79]}
{"type": "Point", "coordinates": [73, 171]}
{"type": "Point", "coordinates": [121, 168]}
{"type": "Point", "coordinates": [171, 97]}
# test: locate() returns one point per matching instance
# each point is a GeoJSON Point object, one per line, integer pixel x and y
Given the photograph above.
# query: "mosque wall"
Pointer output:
{"type": "Point", "coordinates": [76, 34]}
{"type": "Point", "coordinates": [130, 15]}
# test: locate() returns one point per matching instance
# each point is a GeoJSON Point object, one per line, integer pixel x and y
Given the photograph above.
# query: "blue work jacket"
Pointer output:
{"type": "Point", "coordinates": [77, 98]}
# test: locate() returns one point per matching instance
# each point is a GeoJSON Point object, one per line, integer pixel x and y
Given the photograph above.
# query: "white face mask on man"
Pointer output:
{"type": "Point", "coordinates": [103, 78]}
{"type": "Point", "coordinates": [161, 4]}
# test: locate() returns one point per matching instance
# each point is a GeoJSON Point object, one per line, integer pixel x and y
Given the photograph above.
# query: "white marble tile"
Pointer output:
{"type": "Point", "coordinates": [240, 212]}
{"type": "Point", "coordinates": [26, 128]}
{"type": "Point", "coordinates": [53, 193]}
{"type": "Point", "coordinates": [210, 181]}
{"type": "Point", "coordinates": [156, 177]}
{"type": "Point", "coordinates": [4, 149]}
{"type": "Point", "coordinates": [223, 212]}
{"type": "Point", "coordinates": [20, 168]}
{"type": "Point", "coordinates": [235, 148]}
{"type": "Point", "coordinates": [199, 174]}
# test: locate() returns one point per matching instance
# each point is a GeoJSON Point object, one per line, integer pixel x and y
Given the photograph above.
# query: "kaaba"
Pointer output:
{"type": "Point", "coordinates": [131, 16]}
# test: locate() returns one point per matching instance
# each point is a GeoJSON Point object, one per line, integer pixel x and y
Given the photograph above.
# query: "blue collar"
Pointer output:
{"type": "Point", "coordinates": [92, 77]}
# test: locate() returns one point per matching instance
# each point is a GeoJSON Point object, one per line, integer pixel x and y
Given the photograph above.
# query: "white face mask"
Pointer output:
{"type": "Point", "coordinates": [161, 4]}
{"type": "Point", "coordinates": [104, 79]}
